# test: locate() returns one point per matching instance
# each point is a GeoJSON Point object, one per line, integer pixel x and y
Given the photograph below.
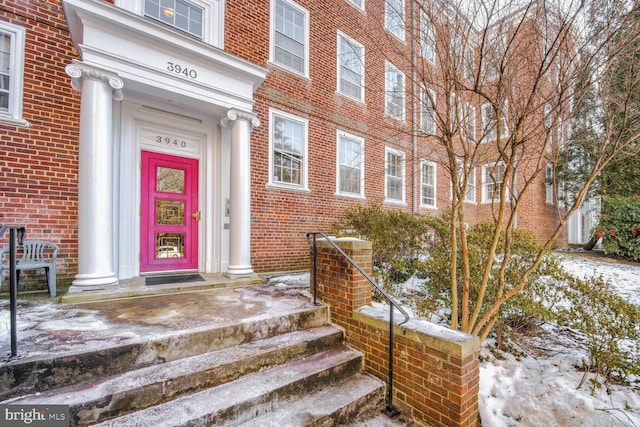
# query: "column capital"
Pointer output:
{"type": "Point", "coordinates": [77, 71]}
{"type": "Point", "coordinates": [234, 114]}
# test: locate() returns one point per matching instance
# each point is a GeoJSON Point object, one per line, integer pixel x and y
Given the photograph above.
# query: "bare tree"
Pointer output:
{"type": "Point", "coordinates": [498, 85]}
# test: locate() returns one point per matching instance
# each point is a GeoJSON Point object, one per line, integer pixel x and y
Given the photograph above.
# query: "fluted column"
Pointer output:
{"type": "Point", "coordinates": [95, 176]}
{"type": "Point", "coordinates": [241, 124]}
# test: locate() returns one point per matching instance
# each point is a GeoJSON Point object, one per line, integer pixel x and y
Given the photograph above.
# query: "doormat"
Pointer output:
{"type": "Point", "coordinates": [166, 280]}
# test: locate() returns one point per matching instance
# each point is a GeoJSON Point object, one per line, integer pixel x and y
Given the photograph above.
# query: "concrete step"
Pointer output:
{"type": "Point", "coordinates": [126, 392]}
{"type": "Point", "coordinates": [251, 396]}
{"type": "Point", "coordinates": [354, 398]}
{"type": "Point", "coordinates": [53, 371]}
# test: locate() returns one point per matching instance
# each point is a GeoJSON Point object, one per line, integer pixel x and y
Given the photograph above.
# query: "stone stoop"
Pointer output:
{"type": "Point", "coordinates": [290, 370]}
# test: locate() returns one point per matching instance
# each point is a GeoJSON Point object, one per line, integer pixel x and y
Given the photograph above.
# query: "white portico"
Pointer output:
{"type": "Point", "coordinates": [157, 103]}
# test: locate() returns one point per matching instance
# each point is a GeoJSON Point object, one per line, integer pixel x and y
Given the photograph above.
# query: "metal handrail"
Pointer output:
{"type": "Point", "coordinates": [389, 410]}
{"type": "Point", "coordinates": [13, 280]}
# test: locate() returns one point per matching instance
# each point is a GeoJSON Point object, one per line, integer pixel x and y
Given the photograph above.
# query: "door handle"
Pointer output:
{"type": "Point", "coordinates": [196, 216]}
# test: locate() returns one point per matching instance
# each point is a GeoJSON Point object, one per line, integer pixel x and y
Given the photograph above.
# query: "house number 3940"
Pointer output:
{"type": "Point", "coordinates": [179, 69]}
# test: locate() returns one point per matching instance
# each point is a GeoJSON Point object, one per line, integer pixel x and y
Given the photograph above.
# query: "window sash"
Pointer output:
{"type": "Point", "coordinates": [549, 184]}
{"type": "Point", "coordinates": [428, 112]}
{"type": "Point", "coordinates": [288, 144]}
{"type": "Point", "coordinates": [427, 39]}
{"type": "Point", "coordinates": [394, 17]}
{"type": "Point", "coordinates": [6, 56]}
{"type": "Point", "coordinates": [395, 176]}
{"type": "Point", "coordinates": [493, 181]}
{"type": "Point", "coordinates": [428, 184]}
{"type": "Point", "coordinates": [395, 93]}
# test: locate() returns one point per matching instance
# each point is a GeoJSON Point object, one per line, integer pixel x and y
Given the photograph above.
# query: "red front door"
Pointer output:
{"type": "Point", "coordinates": [169, 213]}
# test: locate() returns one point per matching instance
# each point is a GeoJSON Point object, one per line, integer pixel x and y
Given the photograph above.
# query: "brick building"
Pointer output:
{"type": "Point", "coordinates": [211, 135]}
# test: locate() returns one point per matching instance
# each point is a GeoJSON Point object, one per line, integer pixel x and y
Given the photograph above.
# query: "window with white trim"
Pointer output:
{"type": "Point", "coordinates": [180, 14]}
{"type": "Point", "coordinates": [489, 123]}
{"type": "Point", "coordinates": [492, 181]}
{"type": "Point", "coordinates": [394, 92]}
{"type": "Point", "coordinates": [427, 184]}
{"type": "Point", "coordinates": [290, 36]}
{"type": "Point", "coordinates": [288, 150]}
{"type": "Point", "coordinates": [455, 113]}
{"type": "Point", "coordinates": [427, 38]}
{"type": "Point", "coordinates": [350, 157]}
{"type": "Point", "coordinates": [428, 111]}
{"type": "Point", "coordinates": [548, 184]}
{"type": "Point", "coordinates": [470, 194]}
{"type": "Point", "coordinates": [470, 122]}
{"type": "Point", "coordinates": [202, 19]}
{"type": "Point", "coordinates": [394, 175]}
{"type": "Point", "coordinates": [394, 17]}
{"type": "Point", "coordinates": [350, 67]}
{"type": "Point", "coordinates": [12, 40]}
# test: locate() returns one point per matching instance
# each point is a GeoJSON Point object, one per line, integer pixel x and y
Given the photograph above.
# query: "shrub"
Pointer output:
{"type": "Point", "coordinates": [620, 227]}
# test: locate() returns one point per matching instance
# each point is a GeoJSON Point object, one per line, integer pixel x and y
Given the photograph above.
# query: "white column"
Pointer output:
{"type": "Point", "coordinates": [241, 124]}
{"type": "Point", "coordinates": [95, 176]}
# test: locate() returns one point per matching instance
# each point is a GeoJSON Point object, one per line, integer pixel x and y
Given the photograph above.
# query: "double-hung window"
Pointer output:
{"type": "Point", "coordinates": [470, 122]}
{"type": "Point", "coordinates": [427, 184]}
{"type": "Point", "coordinates": [394, 92]}
{"type": "Point", "coordinates": [350, 165]}
{"type": "Point", "coordinates": [394, 175]}
{"type": "Point", "coordinates": [288, 150]}
{"type": "Point", "coordinates": [470, 193]}
{"type": "Point", "coordinates": [350, 67]}
{"type": "Point", "coordinates": [492, 181]}
{"type": "Point", "coordinates": [11, 73]}
{"type": "Point", "coordinates": [428, 111]}
{"type": "Point", "coordinates": [290, 38]}
{"type": "Point", "coordinates": [427, 38]}
{"type": "Point", "coordinates": [490, 122]}
{"type": "Point", "coordinates": [548, 184]}
{"type": "Point", "coordinates": [180, 14]}
{"type": "Point", "coordinates": [394, 17]}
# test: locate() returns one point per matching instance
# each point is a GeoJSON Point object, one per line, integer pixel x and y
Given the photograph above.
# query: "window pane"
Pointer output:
{"type": "Point", "coordinates": [351, 68]}
{"type": "Point", "coordinates": [169, 245]}
{"type": "Point", "coordinates": [394, 175]}
{"type": "Point", "coordinates": [170, 180]}
{"type": "Point", "coordinates": [288, 138]}
{"type": "Point", "coordinates": [179, 14]}
{"type": "Point", "coordinates": [289, 43]}
{"type": "Point", "coordinates": [5, 70]}
{"type": "Point", "coordinates": [350, 161]}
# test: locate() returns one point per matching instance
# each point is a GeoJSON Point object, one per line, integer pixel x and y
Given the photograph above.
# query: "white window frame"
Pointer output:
{"type": "Point", "coordinates": [16, 34]}
{"type": "Point", "coordinates": [490, 123]}
{"type": "Point", "coordinates": [470, 195]}
{"type": "Point", "coordinates": [356, 46]}
{"type": "Point", "coordinates": [272, 46]}
{"type": "Point", "coordinates": [359, 4]}
{"type": "Point", "coordinates": [401, 177]}
{"type": "Point", "coordinates": [423, 185]}
{"type": "Point", "coordinates": [394, 21]}
{"type": "Point", "coordinates": [470, 122]}
{"type": "Point", "coordinates": [303, 185]}
{"type": "Point", "coordinates": [488, 180]}
{"type": "Point", "coordinates": [340, 137]}
{"type": "Point", "coordinates": [427, 38]}
{"type": "Point", "coordinates": [395, 95]}
{"type": "Point", "coordinates": [428, 111]}
{"type": "Point", "coordinates": [548, 184]}
{"type": "Point", "coordinates": [212, 18]}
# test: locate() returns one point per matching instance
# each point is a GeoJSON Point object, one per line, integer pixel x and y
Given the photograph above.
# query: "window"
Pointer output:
{"type": "Point", "coordinates": [469, 122]}
{"type": "Point", "coordinates": [350, 165]}
{"type": "Point", "coordinates": [179, 14]}
{"type": "Point", "coordinates": [394, 175]}
{"type": "Point", "coordinates": [203, 19]}
{"type": "Point", "coordinates": [290, 36]}
{"type": "Point", "coordinates": [288, 154]}
{"type": "Point", "coordinates": [492, 181]}
{"type": "Point", "coordinates": [357, 3]}
{"type": "Point", "coordinates": [427, 184]}
{"type": "Point", "coordinates": [350, 67]}
{"type": "Point", "coordinates": [11, 73]}
{"type": "Point", "coordinates": [489, 122]}
{"type": "Point", "coordinates": [548, 184]}
{"type": "Point", "coordinates": [470, 194]}
{"type": "Point", "coordinates": [547, 116]}
{"type": "Point", "coordinates": [427, 39]}
{"type": "Point", "coordinates": [394, 17]}
{"type": "Point", "coordinates": [494, 56]}
{"type": "Point", "coordinates": [428, 111]}
{"type": "Point", "coordinates": [455, 111]}
{"type": "Point", "coordinates": [469, 64]}
{"type": "Point", "coordinates": [394, 88]}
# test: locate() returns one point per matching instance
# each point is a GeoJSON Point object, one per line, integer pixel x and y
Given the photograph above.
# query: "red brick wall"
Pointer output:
{"type": "Point", "coordinates": [38, 163]}
{"type": "Point", "coordinates": [436, 381]}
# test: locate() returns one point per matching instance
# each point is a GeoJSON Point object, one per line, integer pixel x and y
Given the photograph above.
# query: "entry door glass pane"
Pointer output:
{"type": "Point", "coordinates": [169, 212]}
{"type": "Point", "coordinates": [169, 245]}
{"type": "Point", "coordinates": [170, 180]}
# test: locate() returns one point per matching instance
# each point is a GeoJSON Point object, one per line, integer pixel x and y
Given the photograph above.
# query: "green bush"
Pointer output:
{"type": "Point", "coordinates": [620, 227]}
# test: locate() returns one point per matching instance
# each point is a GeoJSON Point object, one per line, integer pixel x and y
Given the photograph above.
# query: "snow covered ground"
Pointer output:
{"type": "Point", "coordinates": [540, 388]}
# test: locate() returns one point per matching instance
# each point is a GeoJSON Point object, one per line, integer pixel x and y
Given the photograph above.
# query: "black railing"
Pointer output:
{"type": "Point", "coordinates": [389, 410]}
{"type": "Point", "coordinates": [13, 279]}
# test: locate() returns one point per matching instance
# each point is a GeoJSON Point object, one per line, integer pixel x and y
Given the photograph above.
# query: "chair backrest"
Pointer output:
{"type": "Point", "coordinates": [34, 250]}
